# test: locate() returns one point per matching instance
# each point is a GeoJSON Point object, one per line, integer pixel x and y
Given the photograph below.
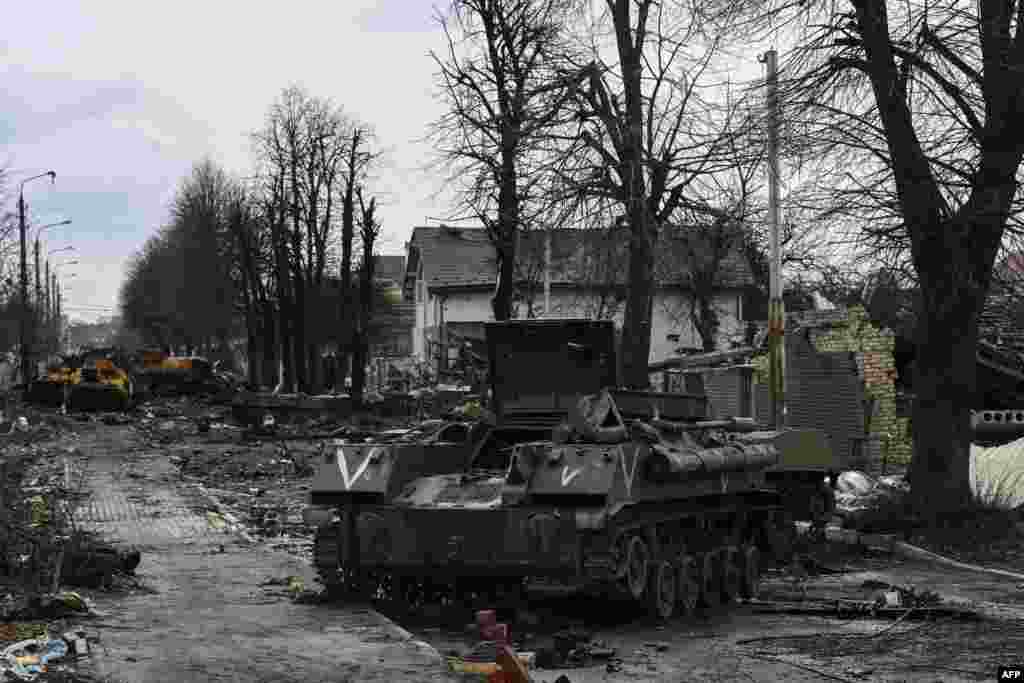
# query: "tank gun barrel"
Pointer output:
{"type": "Point", "coordinates": [734, 424]}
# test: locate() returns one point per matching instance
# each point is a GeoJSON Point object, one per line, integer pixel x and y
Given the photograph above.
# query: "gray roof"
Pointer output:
{"type": "Point", "coordinates": [454, 257]}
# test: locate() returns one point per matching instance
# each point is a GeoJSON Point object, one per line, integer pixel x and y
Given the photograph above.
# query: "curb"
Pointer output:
{"type": "Point", "coordinates": [401, 634]}
{"type": "Point", "coordinates": [408, 638]}
{"type": "Point", "coordinates": [889, 543]}
{"type": "Point", "coordinates": [234, 524]}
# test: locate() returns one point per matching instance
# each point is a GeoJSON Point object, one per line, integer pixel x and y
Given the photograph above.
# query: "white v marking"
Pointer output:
{"type": "Point", "coordinates": [568, 476]}
{"type": "Point", "coordinates": [343, 466]}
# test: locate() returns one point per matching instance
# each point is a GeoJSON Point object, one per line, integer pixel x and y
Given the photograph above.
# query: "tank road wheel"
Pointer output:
{"type": "Point", "coordinates": [731, 574]}
{"type": "Point", "coordinates": [688, 584]}
{"type": "Point", "coordinates": [710, 579]}
{"type": "Point", "coordinates": [638, 561]}
{"type": "Point", "coordinates": [662, 591]}
{"type": "Point", "coordinates": [750, 583]}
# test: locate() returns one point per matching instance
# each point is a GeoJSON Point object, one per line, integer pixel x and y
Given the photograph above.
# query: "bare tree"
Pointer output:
{"type": "Point", "coordinates": [647, 138]}
{"type": "Point", "coordinates": [310, 153]}
{"type": "Point", "coordinates": [502, 96]}
{"type": "Point", "coordinates": [358, 160]}
{"type": "Point", "coordinates": [920, 102]}
{"type": "Point", "coordinates": [369, 230]}
{"type": "Point", "coordinates": [179, 291]}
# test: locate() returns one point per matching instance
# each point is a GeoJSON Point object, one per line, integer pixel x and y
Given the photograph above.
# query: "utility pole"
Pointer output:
{"type": "Point", "coordinates": [25, 377]}
{"type": "Point", "coordinates": [776, 309]}
{"type": "Point", "coordinates": [37, 311]}
{"type": "Point", "coordinates": [26, 374]}
{"type": "Point", "coordinates": [48, 307]}
{"type": "Point", "coordinates": [60, 322]}
{"type": "Point", "coordinates": [547, 272]}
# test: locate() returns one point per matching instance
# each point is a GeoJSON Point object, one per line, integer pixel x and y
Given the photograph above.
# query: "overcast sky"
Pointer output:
{"type": "Point", "coordinates": [121, 98]}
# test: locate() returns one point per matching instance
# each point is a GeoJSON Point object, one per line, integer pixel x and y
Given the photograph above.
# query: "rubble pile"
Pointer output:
{"type": "Point", "coordinates": [263, 483]}
{"type": "Point", "coordinates": [866, 503]}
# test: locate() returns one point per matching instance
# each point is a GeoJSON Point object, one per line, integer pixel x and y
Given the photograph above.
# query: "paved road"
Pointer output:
{"type": "Point", "coordinates": [205, 615]}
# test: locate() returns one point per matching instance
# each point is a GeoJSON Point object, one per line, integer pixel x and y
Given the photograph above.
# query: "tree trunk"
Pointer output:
{"type": "Point", "coordinates": [507, 230]}
{"type": "Point", "coordinates": [945, 391]}
{"type": "Point", "coordinates": [359, 370]}
{"type": "Point", "coordinates": [501, 302]}
{"type": "Point", "coordinates": [299, 342]}
{"type": "Point", "coordinates": [636, 327]}
{"type": "Point", "coordinates": [269, 373]}
{"type": "Point", "coordinates": [348, 231]}
{"type": "Point", "coordinates": [252, 346]}
{"type": "Point", "coordinates": [313, 354]}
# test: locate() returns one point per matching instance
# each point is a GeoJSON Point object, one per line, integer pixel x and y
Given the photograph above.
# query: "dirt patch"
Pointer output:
{"type": "Point", "coordinates": [970, 650]}
{"type": "Point", "coordinates": [986, 536]}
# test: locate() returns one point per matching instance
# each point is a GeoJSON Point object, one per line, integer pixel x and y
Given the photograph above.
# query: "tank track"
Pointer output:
{"type": "Point", "coordinates": [327, 558]}
{"type": "Point", "coordinates": [671, 566]}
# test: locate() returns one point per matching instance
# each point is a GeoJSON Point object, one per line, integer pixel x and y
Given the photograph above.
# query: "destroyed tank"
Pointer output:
{"type": "Point", "coordinates": [53, 388]}
{"type": "Point", "coordinates": [101, 384]}
{"type": "Point", "coordinates": [572, 484]}
{"type": "Point", "coordinates": [161, 374]}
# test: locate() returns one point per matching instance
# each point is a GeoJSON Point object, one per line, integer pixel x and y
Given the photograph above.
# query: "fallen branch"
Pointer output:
{"type": "Point", "coordinates": [810, 669]}
{"type": "Point", "coordinates": [890, 626]}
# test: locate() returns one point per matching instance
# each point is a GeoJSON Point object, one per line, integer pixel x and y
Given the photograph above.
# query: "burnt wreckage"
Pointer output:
{"type": "Point", "coordinates": [568, 481]}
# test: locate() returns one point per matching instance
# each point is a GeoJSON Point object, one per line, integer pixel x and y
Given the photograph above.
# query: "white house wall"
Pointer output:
{"type": "Point", "coordinates": [670, 311]}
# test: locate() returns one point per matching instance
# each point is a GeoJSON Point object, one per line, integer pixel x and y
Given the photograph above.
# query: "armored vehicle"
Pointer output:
{"type": "Point", "coordinates": [91, 380]}
{"type": "Point", "coordinates": [162, 374]}
{"type": "Point", "coordinates": [572, 483]}
{"type": "Point", "coordinates": [101, 385]}
{"type": "Point", "coordinates": [52, 389]}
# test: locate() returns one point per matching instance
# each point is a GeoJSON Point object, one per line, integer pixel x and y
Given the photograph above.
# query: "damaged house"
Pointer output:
{"type": "Point", "coordinates": [451, 275]}
{"type": "Point", "coordinates": [850, 372]}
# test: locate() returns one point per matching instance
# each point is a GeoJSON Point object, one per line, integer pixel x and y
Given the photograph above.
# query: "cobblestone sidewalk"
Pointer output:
{"type": "Point", "coordinates": [204, 614]}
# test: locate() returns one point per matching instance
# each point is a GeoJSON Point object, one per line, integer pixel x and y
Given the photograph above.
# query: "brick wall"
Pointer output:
{"type": "Point", "coordinates": [823, 391]}
{"type": "Point", "coordinates": [873, 349]}
{"type": "Point", "coordinates": [860, 346]}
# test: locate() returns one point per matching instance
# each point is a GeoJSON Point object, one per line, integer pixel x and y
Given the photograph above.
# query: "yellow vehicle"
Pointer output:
{"type": "Point", "coordinates": [163, 374]}
{"type": "Point", "coordinates": [53, 388]}
{"type": "Point", "coordinates": [101, 386]}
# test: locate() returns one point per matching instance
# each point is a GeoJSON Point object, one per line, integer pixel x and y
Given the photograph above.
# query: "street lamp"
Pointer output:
{"type": "Point", "coordinates": [51, 293]}
{"type": "Point", "coordinates": [39, 231]}
{"type": "Point", "coordinates": [25, 376]}
{"type": "Point", "coordinates": [39, 319]}
{"type": "Point", "coordinates": [58, 301]}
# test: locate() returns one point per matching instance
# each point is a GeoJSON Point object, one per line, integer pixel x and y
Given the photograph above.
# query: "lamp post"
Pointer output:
{"type": "Point", "coordinates": [50, 294]}
{"type": "Point", "coordinates": [25, 355]}
{"type": "Point", "coordinates": [38, 311]}
{"type": "Point", "coordinates": [39, 231]}
{"type": "Point", "coordinates": [59, 302]}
